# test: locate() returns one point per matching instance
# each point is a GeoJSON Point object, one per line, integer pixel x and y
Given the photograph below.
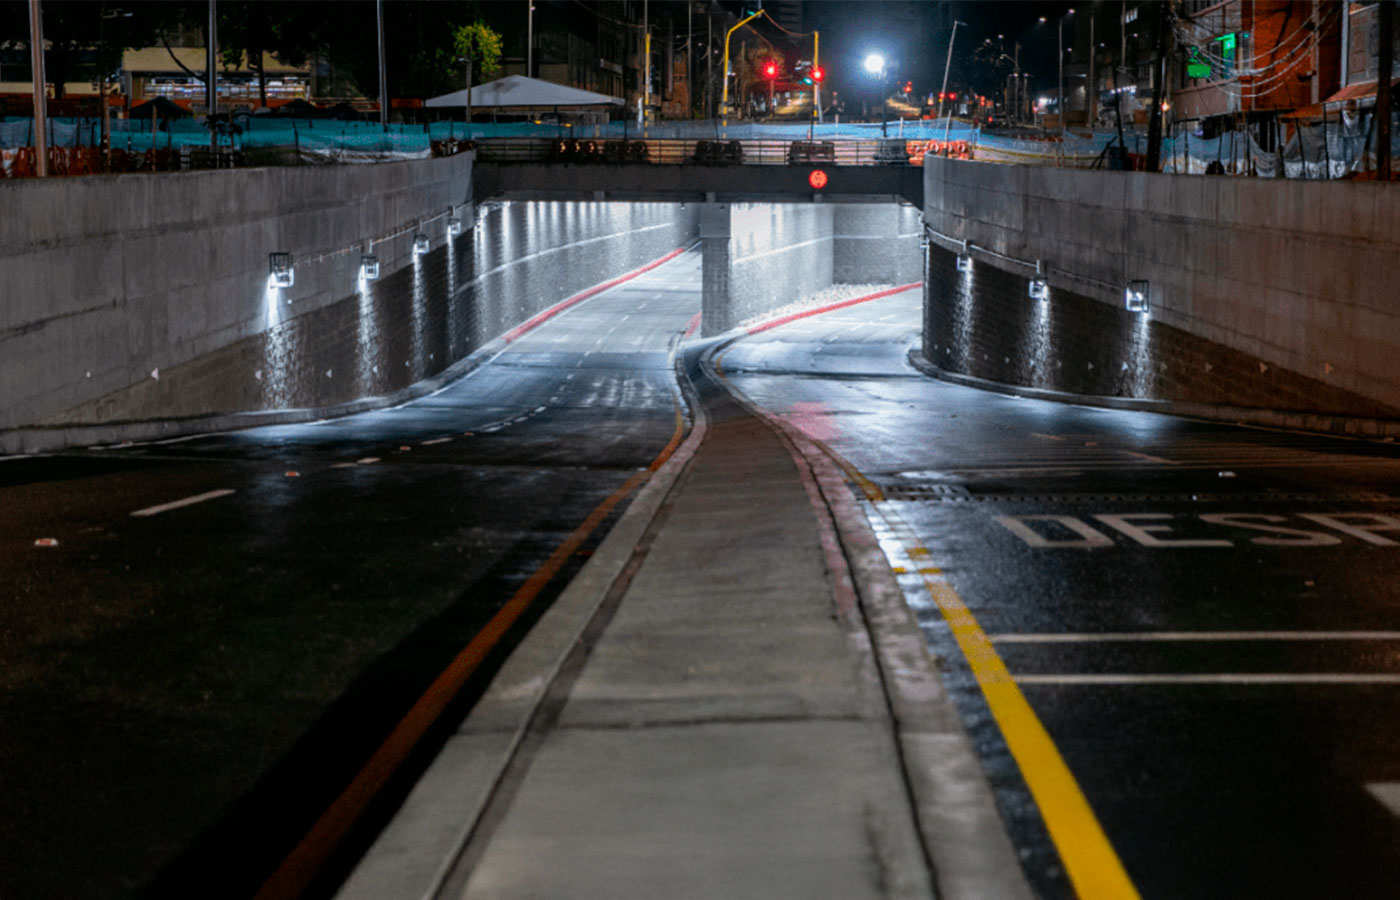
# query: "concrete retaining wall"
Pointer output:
{"type": "Point", "coordinates": [1288, 275]}
{"type": "Point", "coordinates": [763, 256]}
{"type": "Point", "coordinates": [104, 281]}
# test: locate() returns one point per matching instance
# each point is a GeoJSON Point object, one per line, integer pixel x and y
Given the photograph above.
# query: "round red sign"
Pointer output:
{"type": "Point", "coordinates": [817, 179]}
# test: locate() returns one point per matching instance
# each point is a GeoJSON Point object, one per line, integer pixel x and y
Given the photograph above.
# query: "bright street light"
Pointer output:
{"type": "Point", "coordinates": [874, 64]}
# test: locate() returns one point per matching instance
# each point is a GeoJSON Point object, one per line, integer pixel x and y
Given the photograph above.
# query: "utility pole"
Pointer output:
{"type": "Point", "coordinates": [530, 39]}
{"type": "Point", "coordinates": [947, 63]}
{"type": "Point", "coordinates": [724, 93]}
{"type": "Point", "coordinates": [1060, 77]}
{"type": "Point", "coordinates": [689, 55]}
{"type": "Point", "coordinates": [211, 86]}
{"type": "Point", "coordinates": [948, 124]}
{"type": "Point", "coordinates": [383, 80]}
{"type": "Point", "coordinates": [1091, 88]}
{"type": "Point", "coordinates": [41, 94]}
{"type": "Point", "coordinates": [1385, 19]}
{"type": "Point", "coordinates": [1159, 68]}
{"type": "Point", "coordinates": [646, 86]}
{"type": "Point", "coordinates": [1020, 84]}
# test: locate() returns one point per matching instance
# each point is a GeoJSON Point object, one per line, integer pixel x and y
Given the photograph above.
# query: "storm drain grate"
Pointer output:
{"type": "Point", "coordinates": [952, 493]}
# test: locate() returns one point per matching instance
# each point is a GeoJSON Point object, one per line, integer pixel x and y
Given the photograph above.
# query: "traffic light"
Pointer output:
{"type": "Point", "coordinates": [770, 69]}
{"type": "Point", "coordinates": [818, 73]}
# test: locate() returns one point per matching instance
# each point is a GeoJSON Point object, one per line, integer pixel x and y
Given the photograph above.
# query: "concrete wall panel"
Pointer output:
{"type": "Point", "coordinates": [1271, 269]}
{"type": "Point", "coordinates": [104, 279]}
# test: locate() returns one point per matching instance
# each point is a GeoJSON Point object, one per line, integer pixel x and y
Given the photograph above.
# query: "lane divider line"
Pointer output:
{"type": "Point", "coordinates": [1090, 860]}
{"type": "Point", "coordinates": [177, 504]}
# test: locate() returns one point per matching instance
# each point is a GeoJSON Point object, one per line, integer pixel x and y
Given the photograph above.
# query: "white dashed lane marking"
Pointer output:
{"type": "Point", "coordinates": [1388, 793]}
{"type": "Point", "coordinates": [177, 504]}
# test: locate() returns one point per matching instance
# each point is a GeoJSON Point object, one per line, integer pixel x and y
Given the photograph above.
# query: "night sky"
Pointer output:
{"type": "Point", "coordinates": [913, 35]}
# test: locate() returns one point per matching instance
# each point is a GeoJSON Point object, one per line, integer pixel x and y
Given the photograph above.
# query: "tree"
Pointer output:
{"type": "Point", "coordinates": [479, 49]}
{"type": "Point", "coordinates": [249, 29]}
{"type": "Point", "coordinates": [86, 40]}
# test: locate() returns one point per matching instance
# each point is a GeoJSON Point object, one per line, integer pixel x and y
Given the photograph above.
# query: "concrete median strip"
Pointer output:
{"type": "Point", "coordinates": [967, 846]}
{"type": "Point", "coordinates": [418, 851]}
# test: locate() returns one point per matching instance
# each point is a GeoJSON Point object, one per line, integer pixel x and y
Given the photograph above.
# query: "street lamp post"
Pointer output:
{"type": "Point", "coordinates": [383, 80]}
{"type": "Point", "coordinates": [36, 56]}
{"type": "Point", "coordinates": [947, 63]}
{"type": "Point", "coordinates": [724, 94]}
{"type": "Point", "coordinates": [211, 86]}
{"type": "Point", "coordinates": [1060, 80]}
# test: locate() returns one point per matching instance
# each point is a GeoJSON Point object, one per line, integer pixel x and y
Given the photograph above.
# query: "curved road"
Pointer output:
{"type": "Point", "coordinates": [229, 626]}
{"type": "Point", "coordinates": [1202, 619]}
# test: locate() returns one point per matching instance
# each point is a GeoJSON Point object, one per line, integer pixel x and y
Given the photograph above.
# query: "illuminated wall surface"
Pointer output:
{"type": "Point", "coordinates": [1264, 293]}
{"type": "Point", "coordinates": [762, 256]}
{"type": "Point", "coordinates": [983, 323]}
{"type": "Point", "coordinates": [139, 297]}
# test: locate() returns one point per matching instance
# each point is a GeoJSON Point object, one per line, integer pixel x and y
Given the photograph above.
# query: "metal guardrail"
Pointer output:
{"type": "Point", "coordinates": [882, 152]}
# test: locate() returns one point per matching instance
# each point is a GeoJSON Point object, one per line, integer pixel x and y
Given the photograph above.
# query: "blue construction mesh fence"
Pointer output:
{"type": "Point", "coordinates": [1341, 147]}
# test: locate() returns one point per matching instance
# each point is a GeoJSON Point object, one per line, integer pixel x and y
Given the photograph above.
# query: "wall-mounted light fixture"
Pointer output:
{"type": "Point", "coordinates": [279, 268]}
{"type": "Point", "coordinates": [454, 226]}
{"type": "Point", "coordinates": [369, 267]}
{"type": "Point", "coordinates": [1039, 289]}
{"type": "Point", "coordinates": [420, 243]}
{"type": "Point", "coordinates": [964, 262]}
{"type": "Point", "coordinates": [1136, 297]}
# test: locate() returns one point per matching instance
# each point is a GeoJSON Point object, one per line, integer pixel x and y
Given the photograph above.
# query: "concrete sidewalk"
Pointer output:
{"type": "Point", "coordinates": [710, 711]}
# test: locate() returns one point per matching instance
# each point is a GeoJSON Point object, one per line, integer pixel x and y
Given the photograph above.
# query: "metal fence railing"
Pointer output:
{"type": "Point", "coordinates": [700, 152]}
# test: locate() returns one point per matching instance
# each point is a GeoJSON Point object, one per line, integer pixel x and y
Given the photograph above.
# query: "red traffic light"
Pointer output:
{"type": "Point", "coordinates": [818, 73]}
{"type": "Point", "coordinates": [770, 70]}
{"type": "Point", "coordinates": [952, 96]}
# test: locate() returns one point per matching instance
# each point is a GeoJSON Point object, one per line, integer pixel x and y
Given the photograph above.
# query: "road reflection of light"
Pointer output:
{"type": "Point", "coordinates": [815, 419]}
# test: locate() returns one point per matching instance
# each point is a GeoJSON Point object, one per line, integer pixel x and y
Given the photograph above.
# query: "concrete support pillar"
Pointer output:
{"type": "Point", "coordinates": [716, 311]}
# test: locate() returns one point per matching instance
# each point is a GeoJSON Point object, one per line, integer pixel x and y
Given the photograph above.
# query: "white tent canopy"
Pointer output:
{"type": "Point", "coordinates": [519, 92]}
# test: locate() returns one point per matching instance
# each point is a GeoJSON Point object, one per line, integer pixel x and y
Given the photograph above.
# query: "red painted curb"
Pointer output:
{"type": "Point", "coordinates": [793, 317]}
{"type": "Point", "coordinates": [690, 327]}
{"type": "Point", "coordinates": [540, 318]}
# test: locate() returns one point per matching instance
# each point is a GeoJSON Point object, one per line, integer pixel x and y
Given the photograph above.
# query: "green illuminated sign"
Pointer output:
{"type": "Point", "coordinates": [1197, 67]}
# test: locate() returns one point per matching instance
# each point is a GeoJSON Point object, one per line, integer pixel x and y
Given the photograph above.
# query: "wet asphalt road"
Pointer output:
{"type": "Point", "coordinates": [1204, 618]}
{"type": "Point", "coordinates": [183, 692]}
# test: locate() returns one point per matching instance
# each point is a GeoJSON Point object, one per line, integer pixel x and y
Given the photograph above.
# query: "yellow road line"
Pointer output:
{"type": "Point", "coordinates": [300, 868]}
{"type": "Point", "coordinates": [1089, 858]}
{"type": "Point", "coordinates": [1093, 866]}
